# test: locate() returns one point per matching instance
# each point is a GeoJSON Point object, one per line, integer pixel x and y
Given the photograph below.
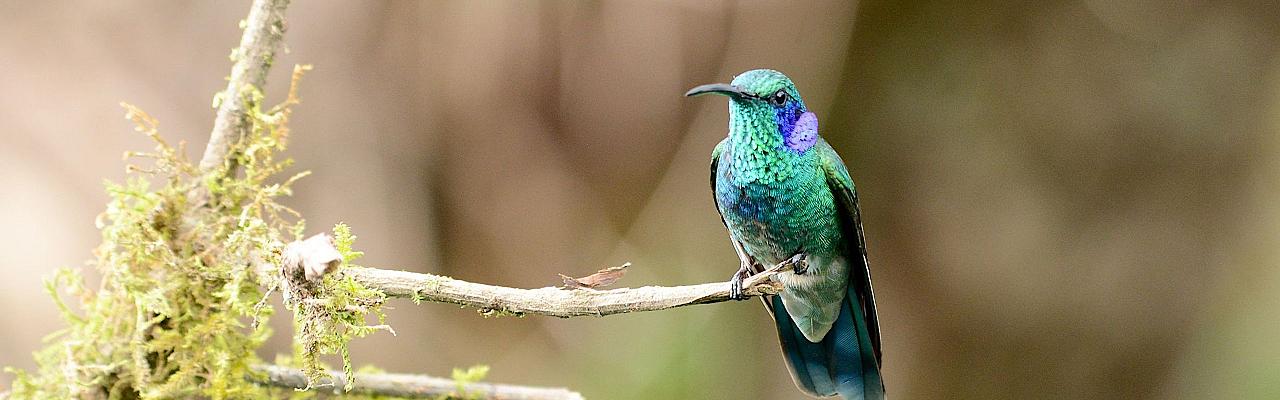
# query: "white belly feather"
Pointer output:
{"type": "Point", "coordinates": [813, 299]}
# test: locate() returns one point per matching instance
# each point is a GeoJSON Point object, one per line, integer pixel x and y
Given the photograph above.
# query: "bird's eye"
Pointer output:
{"type": "Point", "coordinates": [779, 98]}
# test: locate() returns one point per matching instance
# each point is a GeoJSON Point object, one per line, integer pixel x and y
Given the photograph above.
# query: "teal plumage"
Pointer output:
{"type": "Point", "coordinates": [784, 194]}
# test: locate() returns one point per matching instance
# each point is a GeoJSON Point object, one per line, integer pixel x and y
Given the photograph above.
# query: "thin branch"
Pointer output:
{"type": "Point", "coordinates": [305, 262]}
{"type": "Point", "coordinates": [263, 34]}
{"type": "Point", "coordinates": [554, 301]}
{"type": "Point", "coordinates": [412, 386]}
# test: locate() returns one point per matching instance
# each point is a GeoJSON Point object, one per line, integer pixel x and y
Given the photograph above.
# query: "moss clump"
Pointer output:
{"type": "Point", "coordinates": [329, 315]}
{"type": "Point", "coordinates": [185, 256]}
{"type": "Point", "coordinates": [464, 377]}
{"type": "Point", "coordinates": [179, 310]}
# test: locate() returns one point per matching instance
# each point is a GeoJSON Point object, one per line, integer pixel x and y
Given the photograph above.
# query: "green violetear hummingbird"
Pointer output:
{"type": "Point", "coordinates": [785, 196]}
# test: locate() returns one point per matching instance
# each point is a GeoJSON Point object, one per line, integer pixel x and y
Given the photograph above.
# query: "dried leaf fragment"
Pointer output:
{"type": "Point", "coordinates": [602, 278]}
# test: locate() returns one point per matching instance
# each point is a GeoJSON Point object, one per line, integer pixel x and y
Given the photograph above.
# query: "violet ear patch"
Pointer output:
{"type": "Point", "coordinates": [804, 134]}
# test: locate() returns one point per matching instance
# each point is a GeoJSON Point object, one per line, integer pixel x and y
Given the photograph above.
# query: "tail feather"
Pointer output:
{"type": "Point", "coordinates": [843, 363]}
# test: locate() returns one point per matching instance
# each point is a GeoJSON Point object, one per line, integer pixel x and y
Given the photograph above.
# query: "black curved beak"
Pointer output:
{"type": "Point", "coordinates": [718, 88]}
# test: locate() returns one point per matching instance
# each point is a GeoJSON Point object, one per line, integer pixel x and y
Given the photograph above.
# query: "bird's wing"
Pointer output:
{"type": "Point", "coordinates": [851, 222]}
{"type": "Point", "coordinates": [715, 164]}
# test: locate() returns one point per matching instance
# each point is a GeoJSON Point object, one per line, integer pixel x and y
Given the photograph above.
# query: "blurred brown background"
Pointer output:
{"type": "Point", "coordinates": [1063, 199]}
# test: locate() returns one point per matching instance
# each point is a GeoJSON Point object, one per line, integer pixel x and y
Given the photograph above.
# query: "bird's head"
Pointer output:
{"type": "Point", "coordinates": [765, 104]}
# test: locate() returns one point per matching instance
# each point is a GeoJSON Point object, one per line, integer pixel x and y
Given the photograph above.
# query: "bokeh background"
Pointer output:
{"type": "Point", "coordinates": [1063, 199]}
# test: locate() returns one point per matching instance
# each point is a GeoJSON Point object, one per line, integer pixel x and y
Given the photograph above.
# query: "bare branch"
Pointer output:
{"type": "Point", "coordinates": [263, 33]}
{"type": "Point", "coordinates": [412, 386]}
{"type": "Point", "coordinates": [553, 301]}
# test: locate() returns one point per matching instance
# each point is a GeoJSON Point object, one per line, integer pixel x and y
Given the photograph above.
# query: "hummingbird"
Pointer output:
{"type": "Point", "coordinates": [786, 196]}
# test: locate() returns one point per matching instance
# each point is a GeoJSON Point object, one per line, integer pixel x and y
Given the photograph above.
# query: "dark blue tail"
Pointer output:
{"type": "Point", "coordinates": [843, 363]}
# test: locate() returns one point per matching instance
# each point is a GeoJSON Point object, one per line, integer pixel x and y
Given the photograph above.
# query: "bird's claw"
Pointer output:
{"type": "Point", "coordinates": [735, 283]}
{"type": "Point", "coordinates": [799, 263]}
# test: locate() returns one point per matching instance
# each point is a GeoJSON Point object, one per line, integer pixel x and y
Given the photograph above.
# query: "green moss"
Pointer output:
{"type": "Point", "coordinates": [328, 316]}
{"type": "Point", "coordinates": [464, 377]}
{"type": "Point", "coordinates": [178, 311]}
{"type": "Point", "coordinates": [184, 261]}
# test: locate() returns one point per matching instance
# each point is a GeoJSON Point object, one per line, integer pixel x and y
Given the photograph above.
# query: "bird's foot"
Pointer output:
{"type": "Point", "coordinates": [735, 283]}
{"type": "Point", "coordinates": [799, 263]}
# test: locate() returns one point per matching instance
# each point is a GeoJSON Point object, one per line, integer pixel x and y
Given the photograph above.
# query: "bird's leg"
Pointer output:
{"type": "Point", "coordinates": [745, 270]}
{"type": "Point", "coordinates": [799, 263]}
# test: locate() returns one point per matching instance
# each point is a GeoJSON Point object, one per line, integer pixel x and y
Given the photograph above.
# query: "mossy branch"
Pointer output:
{"type": "Point", "coordinates": [411, 386]}
{"type": "Point", "coordinates": [263, 33]}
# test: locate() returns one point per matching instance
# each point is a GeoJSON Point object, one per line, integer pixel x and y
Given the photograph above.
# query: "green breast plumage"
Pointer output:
{"type": "Point", "coordinates": [776, 207]}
